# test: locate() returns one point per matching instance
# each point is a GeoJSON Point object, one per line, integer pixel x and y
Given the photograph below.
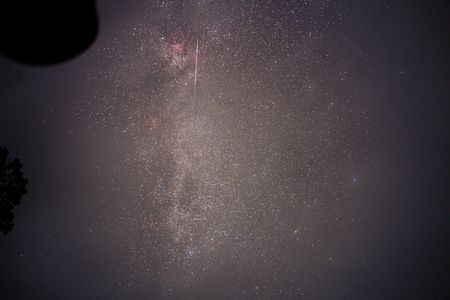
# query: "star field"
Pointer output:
{"type": "Point", "coordinates": [243, 172]}
{"type": "Point", "coordinates": [295, 171]}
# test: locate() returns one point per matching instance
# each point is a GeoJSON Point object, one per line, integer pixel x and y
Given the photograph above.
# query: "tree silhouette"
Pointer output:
{"type": "Point", "coordinates": [12, 188]}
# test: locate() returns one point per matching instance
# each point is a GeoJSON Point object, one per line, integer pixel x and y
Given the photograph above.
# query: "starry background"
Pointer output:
{"type": "Point", "coordinates": [312, 162]}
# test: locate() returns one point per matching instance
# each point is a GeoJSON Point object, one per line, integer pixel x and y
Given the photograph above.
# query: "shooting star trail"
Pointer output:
{"type": "Point", "coordinates": [195, 70]}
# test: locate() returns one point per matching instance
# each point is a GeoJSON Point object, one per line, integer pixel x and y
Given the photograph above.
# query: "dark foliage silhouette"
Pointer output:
{"type": "Point", "coordinates": [12, 188]}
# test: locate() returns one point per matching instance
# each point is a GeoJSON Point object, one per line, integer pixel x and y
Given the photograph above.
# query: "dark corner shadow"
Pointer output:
{"type": "Point", "coordinates": [46, 32]}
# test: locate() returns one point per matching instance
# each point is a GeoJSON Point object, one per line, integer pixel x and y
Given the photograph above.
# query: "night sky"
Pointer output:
{"type": "Point", "coordinates": [311, 162]}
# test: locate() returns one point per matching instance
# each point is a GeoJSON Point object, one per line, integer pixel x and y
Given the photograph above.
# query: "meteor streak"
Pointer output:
{"type": "Point", "coordinates": [195, 70]}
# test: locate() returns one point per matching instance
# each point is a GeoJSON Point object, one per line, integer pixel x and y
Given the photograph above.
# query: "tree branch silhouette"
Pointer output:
{"type": "Point", "coordinates": [12, 188]}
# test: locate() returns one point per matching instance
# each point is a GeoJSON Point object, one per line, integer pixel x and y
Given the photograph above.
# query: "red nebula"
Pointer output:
{"type": "Point", "coordinates": [178, 47]}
